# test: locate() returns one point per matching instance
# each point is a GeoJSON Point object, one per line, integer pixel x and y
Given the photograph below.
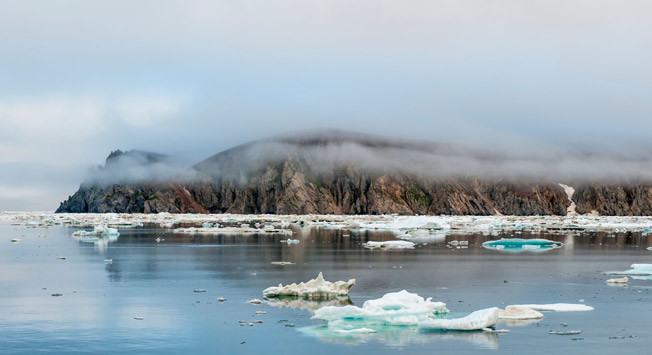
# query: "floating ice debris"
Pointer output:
{"type": "Point", "coordinates": [290, 241]}
{"type": "Point", "coordinates": [497, 331]}
{"type": "Point", "coordinates": [108, 261]}
{"type": "Point", "coordinates": [207, 225]}
{"type": "Point", "coordinates": [16, 240]}
{"type": "Point", "coordinates": [519, 313]}
{"type": "Point", "coordinates": [395, 308]}
{"type": "Point", "coordinates": [519, 244]}
{"type": "Point", "coordinates": [566, 332]}
{"type": "Point", "coordinates": [221, 299]}
{"type": "Point", "coordinates": [261, 312]}
{"type": "Point", "coordinates": [484, 318]}
{"type": "Point", "coordinates": [139, 318]}
{"type": "Point", "coordinates": [458, 242]}
{"type": "Point", "coordinates": [100, 230]}
{"type": "Point", "coordinates": [648, 248]}
{"type": "Point", "coordinates": [622, 280]}
{"type": "Point", "coordinates": [57, 295]}
{"type": "Point", "coordinates": [255, 301]}
{"type": "Point", "coordinates": [199, 290]}
{"type": "Point", "coordinates": [636, 270]}
{"type": "Point", "coordinates": [61, 258]}
{"type": "Point", "coordinates": [409, 223]}
{"type": "Point", "coordinates": [317, 288]}
{"type": "Point", "coordinates": [158, 240]}
{"type": "Point", "coordinates": [243, 229]}
{"type": "Point", "coordinates": [390, 244]}
{"type": "Point", "coordinates": [282, 263]}
{"type": "Point", "coordinates": [438, 237]}
{"type": "Point", "coordinates": [558, 307]}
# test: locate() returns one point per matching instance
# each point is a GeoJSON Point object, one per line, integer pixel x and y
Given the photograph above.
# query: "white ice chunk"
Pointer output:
{"type": "Point", "coordinates": [636, 269]}
{"type": "Point", "coordinates": [314, 289]}
{"type": "Point", "coordinates": [519, 313]}
{"type": "Point", "coordinates": [477, 320]}
{"type": "Point", "coordinates": [558, 307]}
{"type": "Point", "coordinates": [390, 244]}
{"type": "Point", "coordinates": [394, 308]}
{"type": "Point", "coordinates": [622, 280]}
{"type": "Point", "coordinates": [100, 230]}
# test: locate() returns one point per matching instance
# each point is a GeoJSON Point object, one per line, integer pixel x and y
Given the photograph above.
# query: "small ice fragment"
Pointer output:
{"type": "Point", "coordinates": [158, 240]}
{"type": "Point", "coordinates": [622, 280]}
{"type": "Point", "coordinates": [139, 318]}
{"type": "Point", "coordinates": [199, 290]}
{"type": "Point", "coordinates": [317, 288]}
{"type": "Point", "coordinates": [16, 240]}
{"type": "Point", "coordinates": [390, 244]}
{"type": "Point", "coordinates": [498, 331]}
{"type": "Point", "coordinates": [484, 318]}
{"type": "Point", "coordinates": [255, 301]}
{"type": "Point", "coordinates": [221, 299]}
{"type": "Point", "coordinates": [282, 263]}
{"type": "Point", "coordinates": [108, 261]}
{"type": "Point", "coordinates": [648, 248]}
{"type": "Point", "coordinates": [558, 307]}
{"type": "Point", "coordinates": [61, 258]}
{"type": "Point", "coordinates": [566, 332]}
{"type": "Point", "coordinates": [261, 312]}
{"type": "Point", "coordinates": [290, 241]}
{"type": "Point", "coordinates": [57, 295]}
{"type": "Point", "coordinates": [290, 325]}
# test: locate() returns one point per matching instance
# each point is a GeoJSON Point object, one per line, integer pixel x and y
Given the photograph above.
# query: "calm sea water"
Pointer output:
{"type": "Point", "coordinates": [156, 281]}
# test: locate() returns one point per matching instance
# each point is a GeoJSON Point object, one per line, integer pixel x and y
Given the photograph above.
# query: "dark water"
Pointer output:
{"type": "Point", "coordinates": [99, 301]}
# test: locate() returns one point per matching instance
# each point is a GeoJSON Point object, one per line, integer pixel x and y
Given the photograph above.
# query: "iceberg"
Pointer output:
{"type": "Point", "coordinates": [520, 245]}
{"type": "Point", "coordinates": [519, 313]}
{"type": "Point", "coordinates": [100, 230]}
{"type": "Point", "coordinates": [478, 320]}
{"type": "Point", "coordinates": [390, 244]}
{"type": "Point", "coordinates": [558, 307]}
{"type": "Point", "coordinates": [393, 309]}
{"type": "Point", "coordinates": [317, 288]}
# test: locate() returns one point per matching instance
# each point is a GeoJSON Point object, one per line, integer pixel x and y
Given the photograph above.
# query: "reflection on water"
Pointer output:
{"type": "Point", "coordinates": [397, 336]}
{"type": "Point", "coordinates": [302, 303]}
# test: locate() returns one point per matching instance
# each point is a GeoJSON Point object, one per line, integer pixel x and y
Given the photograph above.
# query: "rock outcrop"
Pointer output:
{"type": "Point", "coordinates": [303, 176]}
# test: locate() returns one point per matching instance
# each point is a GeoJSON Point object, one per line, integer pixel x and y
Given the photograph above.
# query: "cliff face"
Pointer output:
{"type": "Point", "coordinates": [293, 181]}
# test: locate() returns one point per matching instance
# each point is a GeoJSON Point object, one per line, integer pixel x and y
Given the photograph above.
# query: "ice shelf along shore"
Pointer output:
{"type": "Point", "coordinates": [317, 288]}
{"type": "Point", "coordinates": [413, 225]}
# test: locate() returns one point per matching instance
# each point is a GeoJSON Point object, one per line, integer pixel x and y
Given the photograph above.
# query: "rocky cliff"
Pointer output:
{"type": "Point", "coordinates": [316, 174]}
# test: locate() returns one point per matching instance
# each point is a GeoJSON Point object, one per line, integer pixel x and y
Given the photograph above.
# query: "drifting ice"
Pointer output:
{"type": "Point", "coordinates": [390, 244]}
{"type": "Point", "coordinates": [314, 289]}
{"type": "Point", "coordinates": [395, 308]}
{"type": "Point", "coordinates": [484, 318]}
{"type": "Point", "coordinates": [519, 244]}
{"type": "Point", "coordinates": [637, 270]}
{"type": "Point", "coordinates": [99, 231]}
{"type": "Point", "coordinates": [622, 280]}
{"type": "Point", "coordinates": [558, 307]}
{"type": "Point", "coordinates": [519, 313]}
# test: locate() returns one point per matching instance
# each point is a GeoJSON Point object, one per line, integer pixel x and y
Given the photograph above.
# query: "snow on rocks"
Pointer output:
{"type": "Point", "coordinates": [317, 288]}
{"type": "Point", "coordinates": [478, 320]}
{"type": "Point", "coordinates": [389, 244]}
{"type": "Point", "coordinates": [394, 308]}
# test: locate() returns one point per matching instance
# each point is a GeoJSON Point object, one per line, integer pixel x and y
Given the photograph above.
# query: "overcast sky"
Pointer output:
{"type": "Point", "coordinates": [191, 78]}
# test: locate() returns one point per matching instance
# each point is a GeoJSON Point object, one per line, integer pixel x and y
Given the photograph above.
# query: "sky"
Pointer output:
{"type": "Point", "coordinates": [79, 79]}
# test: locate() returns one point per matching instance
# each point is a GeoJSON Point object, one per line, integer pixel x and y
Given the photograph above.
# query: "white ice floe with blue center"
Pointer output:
{"type": "Point", "coordinates": [522, 245]}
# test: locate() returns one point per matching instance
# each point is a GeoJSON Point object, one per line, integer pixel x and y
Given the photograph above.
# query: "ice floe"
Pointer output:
{"type": "Point", "coordinates": [636, 270]}
{"type": "Point", "coordinates": [317, 288]}
{"type": "Point", "coordinates": [557, 307]}
{"type": "Point", "coordinates": [519, 313]}
{"type": "Point", "coordinates": [100, 230]}
{"type": "Point", "coordinates": [477, 320]}
{"type": "Point", "coordinates": [621, 280]}
{"type": "Point", "coordinates": [520, 245]}
{"type": "Point", "coordinates": [389, 244]}
{"type": "Point", "coordinates": [396, 308]}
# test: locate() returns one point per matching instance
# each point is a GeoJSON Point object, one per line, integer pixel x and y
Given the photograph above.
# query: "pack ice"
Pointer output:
{"type": "Point", "coordinates": [394, 308]}
{"type": "Point", "coordinates": [317, 288]}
